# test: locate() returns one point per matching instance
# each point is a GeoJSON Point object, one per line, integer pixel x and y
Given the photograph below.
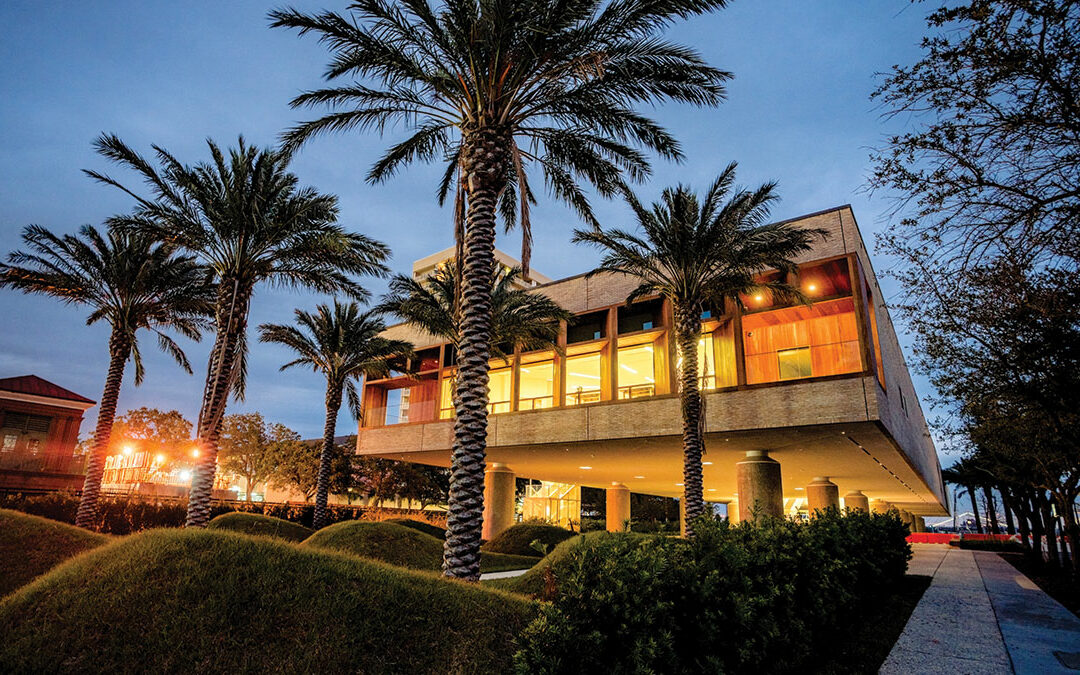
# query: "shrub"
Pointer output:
{"type": "Point", "coordinates": [206, 601]}
{"type": "Point", "coordinates": [745, 598]}
{"type": "Point", "coordinates": [518, 539]}
{"type": "Point", "coordinates": [426, 528]}
{"type": "Point", "coordinates": [255, 524]}
{"type": "Point", "coordinates": [32, 545]}
{"type": "Point", "coordinates": [403, 546]}
{"type": "Point", "coordinates": [534, 581]}
{"type": "Point", "coordinates": [134, 513]}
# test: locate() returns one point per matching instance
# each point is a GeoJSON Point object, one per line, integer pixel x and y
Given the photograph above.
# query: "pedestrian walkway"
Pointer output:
{"type": "Point", "coordinates": [980, 615]}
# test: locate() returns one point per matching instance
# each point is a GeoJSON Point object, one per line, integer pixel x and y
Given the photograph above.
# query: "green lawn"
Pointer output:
{"type": "Point", "coordinates": [401, 545]}
{"type": "Point", "coordinates": [258, 524]}
{"type": "Point", "coordinates": [198, 601]}
{"type": "Point", "coordinates": [31, 545]}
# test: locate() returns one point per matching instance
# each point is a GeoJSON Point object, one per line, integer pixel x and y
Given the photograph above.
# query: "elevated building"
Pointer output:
{"type": "Point", "coordinates": [805, 406]}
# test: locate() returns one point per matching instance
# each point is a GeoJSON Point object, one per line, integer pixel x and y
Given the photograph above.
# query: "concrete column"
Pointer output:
{"type": "Point", "coordinates": [760, 489]}
{"type": "Point", "coordinates": [920, 523]}
{"type": "Point", "coordinates": [908, 519]}
{"type": "Point", "coordinates": [881, 506]}
{"type": "Point", "coordinates": [498, 500]}
{"type": "Point", "coordinates": [856, 501]}
{"type": "Point", "coordinates": [822, 494]}
{"type": "Point", "coordinates": [732, 509]}
{"type": "Point", "coordinates": [618, 508]}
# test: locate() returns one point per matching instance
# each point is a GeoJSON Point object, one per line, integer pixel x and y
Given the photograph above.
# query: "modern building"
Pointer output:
{"type": "Point", "coordinates": [805, 406]}
{"type": "Point", "coordinates": [39, 426]}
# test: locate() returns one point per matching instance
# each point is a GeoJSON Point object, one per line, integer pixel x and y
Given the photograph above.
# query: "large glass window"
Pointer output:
{"type": "Point", "coordinates": [640, 316]}
{"type": "Point", "coordinates": [583, 378]}
{"type": "Point", "coordinates": [499, 390]}
{"type": "Point", "coordinates": [587, 327]}
{"type": "Point", "coordinates": [536, 385]}
{"type": "Point", "coordinates": [798, 342]}
{"type": "Point", "coordinates": [636, 372]}
{"type": "Point", "coordinates": [397, 406]}
{"type": "Point", "coordinates": [446, 397]}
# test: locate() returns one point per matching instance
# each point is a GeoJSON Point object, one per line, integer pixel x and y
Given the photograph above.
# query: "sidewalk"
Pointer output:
{"type": "Point", "coordinates": [980, 615]}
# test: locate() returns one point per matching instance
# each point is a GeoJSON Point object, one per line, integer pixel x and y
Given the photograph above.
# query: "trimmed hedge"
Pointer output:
{"type": "Point", "coordinates": [402, 546]}
{"type": "Point", "coordinates": [260, 525]}
{"type": "Point", "coordinates": [426, 528]}
{"type": "Point", "coordinates": [210, 601]}
{"type": "Point", "coordinates": [518, 539]}
{"type": "Point", "coordinates": [32, 545]}
{"type": "Point", "coordinates": [127, 514]}
{"type": "Point", "coordinates": [747, 598]}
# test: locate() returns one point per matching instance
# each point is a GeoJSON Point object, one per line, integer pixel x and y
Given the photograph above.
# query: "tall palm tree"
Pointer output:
{"type": "Point", "coordinates": [698, 253]}
{"type": "Point", "coordinates": [131, 282]}
{"type": "Point", "coordinates": [244, 216]}
{"type": "Point", "coordinates": [493, 88]}
{"type": "Point", "coordinates": [966, 475]}
{"type": "Point", "coordinates": [344, 345]}
{"type": "Point", "coordinates": [520, 319]}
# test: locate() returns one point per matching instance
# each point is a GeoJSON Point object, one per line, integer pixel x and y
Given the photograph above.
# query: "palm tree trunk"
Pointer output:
{"type": "Point", "coordinates": [119, 352]}
{"type": "Point", "coordinates": [991, 510]}
{"type": "Point", "coordinates": [1006, 506]}
{"type": "Point", "coordinates": [1050, 528]}
{"type": "Point", "coordinates": [975, 509]}
{"type": "Point", "coordinates": [687, 328]}
{"type": "Point", "coordinates": [322, 486]}
{"type": "Point", "coordinates": [485, 157]}
{"type": "Point", "coordinates": [232, 310]}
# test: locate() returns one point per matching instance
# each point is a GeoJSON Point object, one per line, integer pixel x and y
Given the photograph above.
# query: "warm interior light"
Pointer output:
{"type": "Point", "coordinates": [811, 287]}
{"type": "Point", "coordinates": [128, 450]}
{"type": "Point", "coordinates": [185, 475]}
{"type": "Point", "coordinates": [195, 452]}
{"type": "Point", "coordinates": [585, 468]}
{"type": "Point", "coordinates": [678, 484]}
{"type": "Point", "coordinates": [159, 459]}
{"type": "Point", "coordinates": [759, 297]}
{"type": "Point", "coordinates": [639, 477]}
{"type": "Point", "coordinates": [706, 464]}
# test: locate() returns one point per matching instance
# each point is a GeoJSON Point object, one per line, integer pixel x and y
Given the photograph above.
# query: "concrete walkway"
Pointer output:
{"type": "Point", "coordinates": [502, 575]}
{"type": "Point", "coordinates": [980, 615]}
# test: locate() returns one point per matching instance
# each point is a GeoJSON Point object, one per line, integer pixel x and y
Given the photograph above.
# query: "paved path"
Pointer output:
{"type": "Point", "coordinates": [980, 615]}
{"type": "Point", "coordinates": [502, 575]}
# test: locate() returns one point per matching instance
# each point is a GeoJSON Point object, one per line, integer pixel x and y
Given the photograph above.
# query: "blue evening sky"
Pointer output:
{"type": "Point", "coordinates": [175, 73]}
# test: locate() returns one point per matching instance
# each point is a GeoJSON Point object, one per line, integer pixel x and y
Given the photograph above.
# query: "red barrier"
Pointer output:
{"type": "Point", "coordinates": [991, 537]}
{"type": "Point", "coordinates": [931, 538]}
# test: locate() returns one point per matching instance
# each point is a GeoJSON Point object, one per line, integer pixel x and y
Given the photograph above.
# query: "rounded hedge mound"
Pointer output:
{"type": "Point", "coordinates": [426, 528]}
{"type": "Point", "coordinates": [517, 540]}
{"type": "Point", "coordinates": [199, 601]}
{"type": "Point", "coordinates": [32, 545]}
{"type": "Point", "coordinates": [402, 546]}
{"type": "Point", "coordinates": [258, 524]}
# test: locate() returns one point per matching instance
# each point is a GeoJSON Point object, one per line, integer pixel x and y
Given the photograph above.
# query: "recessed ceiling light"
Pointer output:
{"type": "Point", "coordinates": [712, 489]}
{"type": "Point", "coordinates": [798, 488]}
{"type": "Point", "coordinates": [639, 477]}
{"type": "Point", "coordinates": [706, 464]}
{"type": "Point", "coordinates": [585, 468]}
{"type": "Point", "coordinates": [678, 484]}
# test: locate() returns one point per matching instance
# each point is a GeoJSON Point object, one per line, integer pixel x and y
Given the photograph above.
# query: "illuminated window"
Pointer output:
{"type": "Point", "coordinates": [536, 384]}
{"type": "Point", "coordinates": [636, 372]}
{"type": "Point", "coordinates": [446, 397]}
{"type": "Point", "coordinates": [826, 280]}
{"type": "Point", "coordinates": [499, 390]}
{"type": "Point", "coordinates": [794, 363]}
{"type": "Point", "coordinates": [802, 342]}
{"type": "Point", "coordinates": [583, 379]}
{"type": "Point", "coordinates": [706, 363]}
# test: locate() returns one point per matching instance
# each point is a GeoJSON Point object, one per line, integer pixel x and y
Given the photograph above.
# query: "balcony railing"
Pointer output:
{"type": "Point", "coordinates": [636, 391]}
{"type": "Point", "coordinates": [579, 397]}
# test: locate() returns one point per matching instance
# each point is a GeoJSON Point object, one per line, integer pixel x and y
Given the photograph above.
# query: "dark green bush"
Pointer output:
{"type": "Point", "coordinates": [127, 514]}
{"type": "Point", "coordinates": [749, 598]}
{"type": "Point", "coordinates": [260, 525]}
{"type": "Point", "coordinates": [518, 539]}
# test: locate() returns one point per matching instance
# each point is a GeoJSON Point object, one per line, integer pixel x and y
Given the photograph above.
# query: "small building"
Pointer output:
{"type": "Point", "coordinates": [805, 406]}
{"type": "Point", "coordinates": [39, 426]}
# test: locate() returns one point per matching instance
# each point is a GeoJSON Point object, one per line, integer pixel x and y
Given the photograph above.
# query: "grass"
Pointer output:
{"type": "Point", "coordinates": [197, 601]}
{"type": "Point", "coordinates": [32, 545]}
{"type": "Point", "coordinates": [258, 524]}
{"type": "Point", "coordinates": [862, 647]}
{"type": "Point", "coordinates": [518, 539]}
{"type": "Point", "coordinates": [402, 546]}
{"type": "Point", "coordinates": [426, 528]}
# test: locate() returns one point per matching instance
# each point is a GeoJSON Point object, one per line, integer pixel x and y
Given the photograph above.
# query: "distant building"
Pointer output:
{"type": "Point", "coordinates": [39, 426]}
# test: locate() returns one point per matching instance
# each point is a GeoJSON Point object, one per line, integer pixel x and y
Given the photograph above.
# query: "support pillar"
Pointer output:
{"type": "Point", "coordinates": [908, 519]}
{"type": "Point", "coordinates": [920, 524]}
{"type": "Point", "coordinates": [822, 494]}
{"type": "Point", "coordinates": [732, 507]}
{"type": "Point", "coordinates": [856, 501]}
{"type": "Point", "coordinates": [761, 492]}
{"type": "Point", "coordinates": [498, 500]}
{"type": "Point", "coordinates": [881, 506]}
{"type": "Point", "coordinates": [618, 508]}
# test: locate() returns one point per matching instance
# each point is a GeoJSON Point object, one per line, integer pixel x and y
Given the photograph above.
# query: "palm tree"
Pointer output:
{"type": "Point", "coordinates": [344, 345]}
{"type": "Point", "coordinates": [246, 218]}
{"type": "Point", "coordinates": [129, 281]}
{"type": "Point", "coordinates": [494, 88]}
{"type": "Point", "coordinates": [698, 253]}
{"type": "Point", "coordinates": [520, 319]}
